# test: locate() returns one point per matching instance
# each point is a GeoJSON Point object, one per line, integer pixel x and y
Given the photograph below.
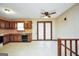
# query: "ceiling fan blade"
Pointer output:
{"type": "Point", "coordinates": [53, 13]}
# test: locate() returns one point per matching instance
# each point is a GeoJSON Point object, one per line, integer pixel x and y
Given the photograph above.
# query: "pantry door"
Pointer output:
{"type": "Point", "coordinates": [44, 30]}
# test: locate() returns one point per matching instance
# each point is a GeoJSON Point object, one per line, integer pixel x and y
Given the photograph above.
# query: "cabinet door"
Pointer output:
{"type": "Point", "coordinates": [17, 37]}
{"type": "Point", "coordinates": [2, 24]}
{"type": "Point", "coordinates": [6, 39]}
{"type": "Point", "coordinates": [12, 25]}
{"type": "Point", "coordinates": [11, 37]}
{"type": "Point", "coordinates": [29, 37]}
{"type": "Point", "coordinates": [7, 25]}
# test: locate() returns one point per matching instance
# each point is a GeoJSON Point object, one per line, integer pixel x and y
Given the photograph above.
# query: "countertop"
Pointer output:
{"type": "Point", "coordinates": [22, 33]}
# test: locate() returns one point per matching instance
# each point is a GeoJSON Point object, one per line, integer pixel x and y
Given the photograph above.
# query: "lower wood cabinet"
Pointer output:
{"type": "Point", "coordinates": [6, 39]}
{"type": "Point", "coordinates": [15, 37]}
{"type": "Point", "coordinates": [30, 37]}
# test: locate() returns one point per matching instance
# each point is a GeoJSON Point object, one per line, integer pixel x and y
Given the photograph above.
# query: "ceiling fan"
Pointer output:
{"type": "Point", "coordinates": [47, 14]}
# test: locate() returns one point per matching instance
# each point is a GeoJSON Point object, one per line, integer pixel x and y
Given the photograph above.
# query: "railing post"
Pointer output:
{"type": "Point", "coordinates": [65, 48]}
{"type": "Point", "coordinates": [76, 47]}
{"type": "Point", "coordinates": [71, 47]}
{"type": "Point", "coordinates": [59, 47]}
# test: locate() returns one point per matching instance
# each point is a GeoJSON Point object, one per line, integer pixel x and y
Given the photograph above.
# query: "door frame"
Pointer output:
{"type": "Point", "coordinates": [44, 29]}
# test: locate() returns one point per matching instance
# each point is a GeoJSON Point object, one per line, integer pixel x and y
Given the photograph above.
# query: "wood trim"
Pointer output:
{"type": "Point", "coordinates": [44, 31]}
{"type": "Point", "coordinates": [51, 31]}
{"type": "Point", "coordinates": [68, 39]}
{"type": "Point", "coordinates": [37, 31]}
{"type": "Point", "coordinates": [59, 47]}
{"type": "Point", "coordinates": [44, 40]}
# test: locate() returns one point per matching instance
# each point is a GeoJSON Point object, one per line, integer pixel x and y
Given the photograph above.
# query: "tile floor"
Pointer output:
{"type": "Point", "coordinates": [35, 48]}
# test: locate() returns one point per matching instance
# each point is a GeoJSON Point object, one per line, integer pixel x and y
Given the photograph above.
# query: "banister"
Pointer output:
{"type": "Point", "coordinates": [69, 48]}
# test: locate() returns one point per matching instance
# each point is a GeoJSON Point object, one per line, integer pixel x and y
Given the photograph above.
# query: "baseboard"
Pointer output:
{"type": "Point", "coordinates": [44, 40]}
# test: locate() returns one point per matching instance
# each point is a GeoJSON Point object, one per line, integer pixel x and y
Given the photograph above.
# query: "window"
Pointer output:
{"type": "Point", "coordinates": [20, 26]}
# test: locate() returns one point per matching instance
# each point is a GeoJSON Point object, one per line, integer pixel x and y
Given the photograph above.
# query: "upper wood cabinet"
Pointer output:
{"type": "Point", "coordinates": [12, 25]}
{"type": "Point", "coordinates": [7, 24]}
{"type": "Point", "coordinates": [2, 24]}
{"type": "Point", "coordinates": [28, 25]}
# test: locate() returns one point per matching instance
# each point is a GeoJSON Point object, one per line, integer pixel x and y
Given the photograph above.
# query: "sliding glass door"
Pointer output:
{"type": "Point", "coordinates": [44, 30]}
{"type": "Point", "coordinates": [41, 31]}
{"type": "Point", "coordinates": [47, 31]}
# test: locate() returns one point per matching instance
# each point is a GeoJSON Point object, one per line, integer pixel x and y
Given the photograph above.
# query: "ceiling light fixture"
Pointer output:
{"type": "Point", "coordinates": [8, 11]}
{"type": "Point", "coordinates": [45, 17]}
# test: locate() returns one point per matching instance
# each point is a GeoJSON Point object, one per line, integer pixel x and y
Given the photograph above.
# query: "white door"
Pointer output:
{"type": "Point", "coordinates": [47, 31]}
{"type": "Point", "coordinates": [40, 31]}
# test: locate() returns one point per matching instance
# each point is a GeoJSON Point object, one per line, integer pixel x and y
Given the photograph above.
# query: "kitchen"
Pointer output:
{"type": "Point", "coordinates": [9, 31]}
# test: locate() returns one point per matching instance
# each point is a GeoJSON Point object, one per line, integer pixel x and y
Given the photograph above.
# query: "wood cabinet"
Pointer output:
{"type": "Point", "coordinates": [30, 37]}
{"type": "Point", "coordinates": [7, 24]}
{"type": "Point", "coordinates": [15, 38]}
{"type": "Point", "coordinates": [12, 25]}
{"type": "Point", "coordinates": [18, 37]}
{"type": "Point", "coordinates": [11, 37]}
{"type": "Point", "coordinates": [6, 39]}
{"type": "Point", "coordinates": [28, 25]}
{"type": "Point", "coordinates": [2, 24]}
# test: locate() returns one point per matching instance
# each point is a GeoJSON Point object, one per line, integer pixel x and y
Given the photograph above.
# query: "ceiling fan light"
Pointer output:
{"type": "Point", "coordinates": [45, 17]}
{"type": "Point", "coordinates": [8, 11]}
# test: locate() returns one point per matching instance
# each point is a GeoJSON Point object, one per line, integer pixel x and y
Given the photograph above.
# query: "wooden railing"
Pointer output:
{"type": "Point", "coordinates": [60, 44]}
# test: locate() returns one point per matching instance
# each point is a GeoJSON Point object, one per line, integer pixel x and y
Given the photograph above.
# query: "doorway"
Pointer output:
{"type": "Point", "coordinates": [44, 30]}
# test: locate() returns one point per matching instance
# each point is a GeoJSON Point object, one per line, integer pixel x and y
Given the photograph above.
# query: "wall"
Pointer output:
{"type": "Point", "coordinates": [70, 27]}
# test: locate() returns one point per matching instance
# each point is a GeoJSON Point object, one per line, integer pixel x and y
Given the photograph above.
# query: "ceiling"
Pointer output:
{"type": "Point", "coordinates": [33, 10]}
